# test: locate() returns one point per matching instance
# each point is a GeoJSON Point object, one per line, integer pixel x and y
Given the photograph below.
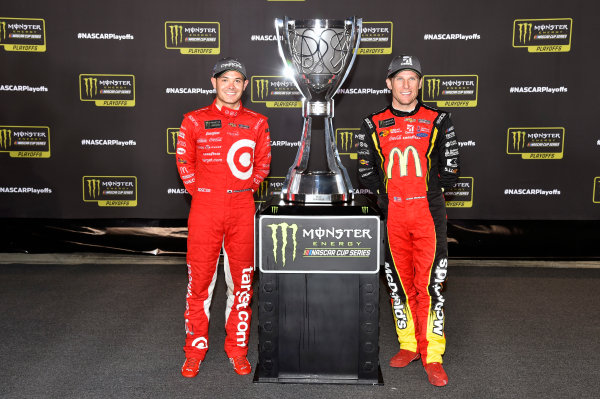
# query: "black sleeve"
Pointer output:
{"type": "Point", "coordinates": [370, 174]}
{"type": "Point", "coordinates": [449, 168]}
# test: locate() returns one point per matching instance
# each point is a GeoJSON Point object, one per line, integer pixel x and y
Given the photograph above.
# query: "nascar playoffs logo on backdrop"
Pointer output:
{"type": "Point", "coordinates": [461, 194]}
{"type": "Point", "coordinates": [536, 142]}
{"type": "Point", "coordinates": [275, 92]}
{"type": "Point", "coordinates": [376, 38]}
{"type": "Point", "coordinates": [450, 90]}
{"type": "Point", "coordinates": [107, 90]}
{"type": "Point", "coordinates": [25, 141]}
{"type": "Point", "coordinates": [23, 34]}
{"type": "Point", "coordinates": [113, 191]}
{"type": "Point", "coordinates": [193, 37]}
{"type": "Point", "coordinates": [543, 35]}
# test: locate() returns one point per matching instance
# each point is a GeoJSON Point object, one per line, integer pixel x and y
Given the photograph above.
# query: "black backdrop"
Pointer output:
{"type": "Point", "coordinates": [516, 75]}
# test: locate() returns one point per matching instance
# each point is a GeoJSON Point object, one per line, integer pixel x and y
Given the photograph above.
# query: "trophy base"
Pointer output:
{"type": "Point", "coordinates": [317, 187]}
{"type": "Point", "coordinates": [318, 292]}
{"type": "Point", "coordinates": [317, 198]}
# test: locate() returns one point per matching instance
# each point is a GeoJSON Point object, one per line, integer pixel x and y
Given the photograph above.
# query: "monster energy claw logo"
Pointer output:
{"type": "Point", "coordinates": [518, 138]}
{"type": "Point", "coordinates": [91, 86]}
{"type": "Point", "coordinates": [433, 87]}
{"type": "Point", "coordinates": [93, 187]}
{"type": "Point", "coordinates": [176, 34]}
{"type": "Point", "coordinates": [274, 210]}
{"type": "Point", "coordinates": [284, 239]}
{"type": "Point", "coordinates": [262, 88]}
{"type": "Point", "coordinates": [365, 210]}
{"type": "Point", "coordinates": [2, 30]}
{"type": "Point", "coordinates": [346, 140]}
{"type": "Point", "coordinates": [263, 189]}
{"type": "Point", "coordinates": [174, 135]}
{"type": "Point", "coordinates": [5, 136]}
{"type": "Point", "coordinates": [525, 32]}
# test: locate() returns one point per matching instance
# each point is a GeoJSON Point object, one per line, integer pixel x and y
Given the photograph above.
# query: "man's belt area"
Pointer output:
{"type": "Point", "coordinates": [238, 191]}
{"type": "Point", "coordinates": [210, 190]}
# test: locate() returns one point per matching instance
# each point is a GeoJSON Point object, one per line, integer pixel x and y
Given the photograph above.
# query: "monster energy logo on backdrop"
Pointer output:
{"type": "Point", "coordinates": [193, 37]}
{"type": "Point", "coordinates": [546, 35]}
{"type": "Point", "coordinates": [91, 87]}
{"type": "Point", "coordinates": [518, 140]}
{"type": "Point", "coordinates": [176, 34]}
{"type": "Point", "coordinates": [2, 31]}
{"type": "Point", "coordinates": [274, 92]}
{"type": "Point", "coordinates": [25, 141]}
{"type": "Point", "coordinates": [262, 88]}
{"type": "Point", "coordinates": [376, 38]}
{"type": "Point", "coordinates": [344, 140]}
{"type": "Point", "coordinates": [461, 194]}
{"type": "Point", "coordinates": [93, 186]}
{"type": "Point", "coordinates": [23, 34]}
{"type": "Point", "coordinates": [284, 228]}
{"type": "Point", "coordinates": [107, 90]}
{"type": "Point", "coordinates": [525, 31]}
{"type": "Point", "coordinates": [365, 210]}
{"type": "Point", "coordinates": [274, 210]}
{"type": "Point", "coordinates": [5, 138]}
{"type": "Point", "coordinates": [112, 191]}
{"type": "Point", "coordinates": [263, 189]}
{"type": "Point", "coordinates": [451, 90]}
{"type": "Point", "coordinates": [433, 87]}
{"type": "Point", "coordinates": [536, 142]}
{"type": "Point", "coordinates": [172, 135]}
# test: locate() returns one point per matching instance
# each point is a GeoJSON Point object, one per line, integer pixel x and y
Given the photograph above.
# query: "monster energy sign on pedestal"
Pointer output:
{"type": "Point", "coordinates": [319, 244]}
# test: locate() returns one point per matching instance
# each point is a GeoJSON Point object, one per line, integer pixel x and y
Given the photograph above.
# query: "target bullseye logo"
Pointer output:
{"type": "Point", "coordinates": [200, 343]}
{"type": "Point", "coordinates": [240, 155]}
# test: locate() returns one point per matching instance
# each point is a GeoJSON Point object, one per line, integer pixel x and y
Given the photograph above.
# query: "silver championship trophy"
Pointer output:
{"type": "Point", "coordinates": [318, 54]}
{"type": "Point", "coordinates": [303, 284]}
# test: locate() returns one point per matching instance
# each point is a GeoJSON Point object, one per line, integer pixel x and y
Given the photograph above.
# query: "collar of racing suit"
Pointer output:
{"type": "Point", "coordinates": [402, 113]}
{"type": "Point", "coordinates": [226, 111]}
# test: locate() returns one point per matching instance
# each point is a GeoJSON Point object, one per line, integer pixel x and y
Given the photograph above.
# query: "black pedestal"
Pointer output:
{"type": "Point", "coordinates": [319, 293]}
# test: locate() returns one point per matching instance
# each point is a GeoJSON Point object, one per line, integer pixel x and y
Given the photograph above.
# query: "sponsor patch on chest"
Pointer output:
{"type": "Point", "coordinates": [387, 123]}
{"type": "Point", "coordinates": [214, 124]}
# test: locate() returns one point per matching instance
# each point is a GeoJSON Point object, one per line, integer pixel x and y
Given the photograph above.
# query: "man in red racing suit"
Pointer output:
{"type": "Point", "coordinates": [409, 151]}
{"type": "Point", "coordinates": [223, 154]}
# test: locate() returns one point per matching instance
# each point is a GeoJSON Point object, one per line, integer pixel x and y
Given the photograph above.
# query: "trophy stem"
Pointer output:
{"type": "Point", "coordinates": [317, 159]}
{"type": "Point", "coordinates": [317, 175]}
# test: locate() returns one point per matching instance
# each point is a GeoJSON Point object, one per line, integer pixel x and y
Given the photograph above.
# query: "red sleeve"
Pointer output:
{"type": "Point", "coordinates": [186, 154]}
{"type": "Point", "coordinates": [262, 154]}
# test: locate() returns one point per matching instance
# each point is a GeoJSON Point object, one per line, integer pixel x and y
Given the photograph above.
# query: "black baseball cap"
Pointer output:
{"type": "Point", "coordinates": [402, 62]}
{"type": "Point", "coordinates": [229, 64]}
